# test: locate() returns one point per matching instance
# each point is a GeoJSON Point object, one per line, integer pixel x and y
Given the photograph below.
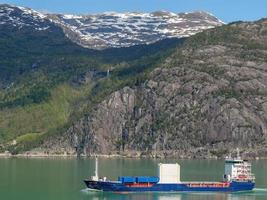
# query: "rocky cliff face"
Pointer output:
{"type": "Point", "coordinates": [205, 100]}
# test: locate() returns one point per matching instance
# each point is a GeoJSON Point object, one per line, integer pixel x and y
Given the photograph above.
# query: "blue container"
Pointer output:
{"type": "Point", "coordinates": [126, 179]}
{"type": "Point", "coordinates": [153, 179]}
{"type": "Point", "coordinates": [142, 179]}
{"type": "Point", "coordinates": [147, 179]}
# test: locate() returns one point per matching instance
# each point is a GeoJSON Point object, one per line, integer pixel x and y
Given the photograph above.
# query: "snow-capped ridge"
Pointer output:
{"type": "Point", "coordinates": [69, 16]}
{"type": "Point", "coordinates": [112, 29]}
{"type": "Point", "coordinates": [22, 17]}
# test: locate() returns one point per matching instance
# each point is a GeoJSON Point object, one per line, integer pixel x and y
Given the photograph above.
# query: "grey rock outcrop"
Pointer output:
{"type": "Point", "coordinates": [203, 101]}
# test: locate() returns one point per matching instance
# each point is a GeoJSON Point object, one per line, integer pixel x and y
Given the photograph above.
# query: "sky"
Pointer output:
{"type": "Point", "coordinates": [226, 10]}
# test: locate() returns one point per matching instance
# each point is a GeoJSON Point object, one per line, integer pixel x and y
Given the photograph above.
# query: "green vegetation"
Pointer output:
{"type": "Point", "coordinates": [24, 142]}
{"type": "Point", "coordinates": [38, 118]}
{"type": "Point", "coordinates": [220, 35]}
{"type": "Point", "coordinates": [39, 96]}
{"type": "Point", "coordinates": [229, 35]}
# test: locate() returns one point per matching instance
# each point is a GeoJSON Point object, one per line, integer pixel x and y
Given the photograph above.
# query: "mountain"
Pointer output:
{"type": "Point", "coordinates": [47, 82]}
{"type": "Point", "coordinates": [30, 41]}
{"type": "Point", "coordinates": [200, 96]}
{"type": "Point", "coordinates": [21, 17]}
{"type": "Point", "coordinates": [205, 100]}
{"type": "Point", "coordinates": [107, 30]}
{"type": "Point", "coordinates": [127, 29]}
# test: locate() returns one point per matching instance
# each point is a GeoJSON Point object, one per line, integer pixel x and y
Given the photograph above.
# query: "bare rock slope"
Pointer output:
{"type": "Point", "coordinates": [205, 100]}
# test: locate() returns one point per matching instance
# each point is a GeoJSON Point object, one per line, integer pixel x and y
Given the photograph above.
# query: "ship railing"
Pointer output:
{"type": "Point", "coordinates": [246, 178]}
{"type": "Point", "coordinates": [243, 164]}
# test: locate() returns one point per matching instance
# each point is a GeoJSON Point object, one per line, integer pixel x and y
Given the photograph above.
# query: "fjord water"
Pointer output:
{"type": "Point", "coordinates": [62, 178]}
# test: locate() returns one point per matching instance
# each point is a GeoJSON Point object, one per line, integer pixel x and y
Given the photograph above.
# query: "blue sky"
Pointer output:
{"type": "Point", "coordinates": [226, 10]}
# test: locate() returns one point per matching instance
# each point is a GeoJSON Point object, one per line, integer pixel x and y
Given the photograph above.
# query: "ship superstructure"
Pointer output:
{"type": "Point", "coordinates": [237, 177]}
{"type": "Point", "coordinates": [238, 170]}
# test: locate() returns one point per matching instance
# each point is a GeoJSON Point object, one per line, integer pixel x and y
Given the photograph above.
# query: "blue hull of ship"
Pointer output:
{"type": "Point", "coordinates": [181, 187]}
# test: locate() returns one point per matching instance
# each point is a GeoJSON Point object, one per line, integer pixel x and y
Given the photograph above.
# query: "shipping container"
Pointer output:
{"type": "Point", "coordinates": [127, 179]}
{"type": "Point", "coordinates": [147, 179]}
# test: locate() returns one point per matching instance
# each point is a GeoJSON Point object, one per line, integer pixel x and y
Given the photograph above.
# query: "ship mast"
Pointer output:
{"type": "Point", "coordinates": [95, 177]}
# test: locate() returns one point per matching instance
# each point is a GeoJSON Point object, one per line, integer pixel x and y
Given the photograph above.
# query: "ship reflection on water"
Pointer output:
{"type": "Point", "coordinates": [170, 196]}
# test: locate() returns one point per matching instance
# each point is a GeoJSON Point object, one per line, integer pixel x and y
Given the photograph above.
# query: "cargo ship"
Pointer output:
{"type": "Point", "coordinates": [237, 177]}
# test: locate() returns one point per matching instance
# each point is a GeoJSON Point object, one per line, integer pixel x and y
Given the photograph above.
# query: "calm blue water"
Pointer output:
{"type": "Point", "coordinates": [62, 178]}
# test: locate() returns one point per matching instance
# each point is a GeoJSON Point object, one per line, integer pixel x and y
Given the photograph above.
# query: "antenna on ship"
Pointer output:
{"type": "Point", "coordinates": [95, 177]}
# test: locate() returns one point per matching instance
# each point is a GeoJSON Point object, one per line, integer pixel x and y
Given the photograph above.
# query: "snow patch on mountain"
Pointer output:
{"type": "Point", "coordinates": [21, 17]}
{"type": "Point", "coordinates": [111, 29]}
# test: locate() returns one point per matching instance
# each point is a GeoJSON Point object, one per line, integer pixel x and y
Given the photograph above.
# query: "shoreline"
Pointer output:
{"type": "Point", "coordinates": [44, 155]}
